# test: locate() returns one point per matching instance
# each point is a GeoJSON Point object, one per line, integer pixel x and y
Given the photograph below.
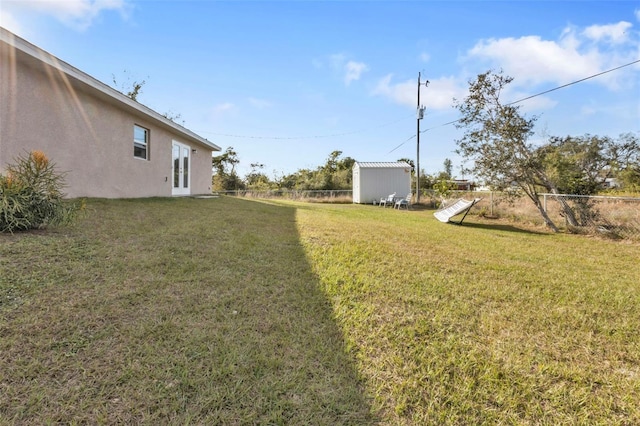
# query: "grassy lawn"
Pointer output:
{"type": "Point", "coordinates": [231, 311]}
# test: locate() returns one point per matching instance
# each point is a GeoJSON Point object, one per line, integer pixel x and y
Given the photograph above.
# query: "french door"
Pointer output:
{"type": "Point", "coordinates": [181, 184]}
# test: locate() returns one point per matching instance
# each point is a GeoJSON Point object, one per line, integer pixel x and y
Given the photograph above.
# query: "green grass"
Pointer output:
{"type": "Point", "coordinates": [230, 311]}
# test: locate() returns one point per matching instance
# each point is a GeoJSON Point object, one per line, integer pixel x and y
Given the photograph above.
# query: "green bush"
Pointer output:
{"type": "Point", "coordinates": [31, 195]}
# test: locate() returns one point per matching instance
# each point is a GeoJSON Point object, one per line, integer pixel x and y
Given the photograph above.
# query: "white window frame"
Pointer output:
{"type": "Point", "coordinates": [139, 144]}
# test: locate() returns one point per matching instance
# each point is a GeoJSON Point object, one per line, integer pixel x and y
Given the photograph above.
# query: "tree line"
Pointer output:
{"type": "Point", "coordinates": [579, 165]}
{"type": "Point", "coordinates": [334, 174]}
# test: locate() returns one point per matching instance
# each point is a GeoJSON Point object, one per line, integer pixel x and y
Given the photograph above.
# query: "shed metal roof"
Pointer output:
{"type": "Point", "coordinates": [382, 165]}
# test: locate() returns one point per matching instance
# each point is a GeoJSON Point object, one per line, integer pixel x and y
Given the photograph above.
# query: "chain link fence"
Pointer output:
{"type": "Point", "coordinates": [615, 217]}
{"type": "Point", "coordinates": [328, 196]}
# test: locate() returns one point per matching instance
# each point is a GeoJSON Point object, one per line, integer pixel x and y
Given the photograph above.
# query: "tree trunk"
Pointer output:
{"type": "Point", "coordinates": [533, 196]}
{"type": "Point", "coordinates": [566, 208]}
{"type": "Point", "coordinates": [544, 214]}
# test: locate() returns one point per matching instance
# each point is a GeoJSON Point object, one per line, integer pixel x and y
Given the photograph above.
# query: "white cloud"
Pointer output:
{"type": "Point", "coordinates": [575, 55]}
{"type": "Point", "coordinates": [441, 92]}
{"type": "Point", "coordinates": [425, 57]}
{"type": "Point", "coordinates": [403, 93]}
{"type": "Point", "coordinates": [637, 13]}
{"type": "Point", "coordinates": [533, 60]}
{"type": "Point", "coordinates": [222, 112]}
{"type": "Point", "coordinates": [260, 103]}
{"type": "Point", "coordinates": [534, 63]}
{"type": "Point", "coordinates": [614, 33]}
{"type": "Point", "coordinates": [348, 70]}
{"type": "Point", "coordinates": [78, 14]}
{"type": "Point", "coordinates": [437, 95]}
{"type": "Point", "coordinates": [353, 71]}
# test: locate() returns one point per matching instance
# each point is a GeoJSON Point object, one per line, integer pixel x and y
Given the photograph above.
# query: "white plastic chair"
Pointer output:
{"type": "Point", "coordinates": [406, 201]}
{"type": "Point", "coordinates": [384, 202]}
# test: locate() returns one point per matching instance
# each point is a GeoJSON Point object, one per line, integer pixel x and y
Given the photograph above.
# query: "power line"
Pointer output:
{"type": "Point", "coordinates": [529, 97]}
{"type": "Point", "coordinates": [574, 82]}
{"type": "Point", "coordinates": [547, 91]}
{"type": "Point", "coordinates": [401, 144]}
{"type": "Point", "coordinates": [304, 137]}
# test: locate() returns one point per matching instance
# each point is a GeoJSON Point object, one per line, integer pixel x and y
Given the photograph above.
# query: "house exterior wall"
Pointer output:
{"type": "Point", "coordinates": [371, 181]}
{"type": "Point", "coordinates": [88, 134]}
{"type": "Point", "coordinates": [202, 167]}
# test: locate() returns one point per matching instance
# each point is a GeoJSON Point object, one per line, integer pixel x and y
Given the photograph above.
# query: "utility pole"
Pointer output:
{"type": "Point", "coordinates": [420, 115]}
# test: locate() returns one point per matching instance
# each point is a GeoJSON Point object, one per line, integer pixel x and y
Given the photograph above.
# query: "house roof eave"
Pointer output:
{"type": "Point", "coordinates": [98, 88]}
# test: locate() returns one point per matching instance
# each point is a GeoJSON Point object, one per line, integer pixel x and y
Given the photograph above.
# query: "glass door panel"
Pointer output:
{"type": "Point", "coordinates": [185, 167]}
{"type": "Point", "coordinates": [181, 155]}
{"type": "Point", "coordinates": [176, 166]}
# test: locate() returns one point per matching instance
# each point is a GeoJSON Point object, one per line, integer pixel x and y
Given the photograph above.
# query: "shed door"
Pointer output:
{"type": "Point", "coordinates": [181, 176]}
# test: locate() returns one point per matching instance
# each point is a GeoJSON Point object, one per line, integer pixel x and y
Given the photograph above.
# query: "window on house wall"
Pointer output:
{"type": "Point", "coordinates": [140, 142]}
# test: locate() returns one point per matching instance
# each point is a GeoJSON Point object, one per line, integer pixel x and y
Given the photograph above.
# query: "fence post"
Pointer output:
{"type": "Point", "coordinates": [491, 203]}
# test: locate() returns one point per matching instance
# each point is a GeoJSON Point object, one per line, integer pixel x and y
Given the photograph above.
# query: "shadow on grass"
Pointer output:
{"type": "Point", "coordinates": [494, 227]}
{"type": "Point", "coordinates": [201, 311]}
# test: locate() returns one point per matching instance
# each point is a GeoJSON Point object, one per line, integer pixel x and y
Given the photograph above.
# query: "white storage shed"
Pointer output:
{"type": "Point", "coordinates": [374, 180]}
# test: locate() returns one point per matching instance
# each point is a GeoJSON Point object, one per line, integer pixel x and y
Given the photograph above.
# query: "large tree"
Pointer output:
{"type": "Point", "coordinates": [257, 179]}
{"type": "Point", "coordinates": [578, 165]}
{"type": "Point", "coordinates": [336, 173]}
{"type": "Point", "coordinates": [224, 173]}
{"type": "Point", "coordinates": [626, 161]}
{"type": "Point", "coordinates": [496, 140]}
{"type": "Point", "coordinates": [448, 168]}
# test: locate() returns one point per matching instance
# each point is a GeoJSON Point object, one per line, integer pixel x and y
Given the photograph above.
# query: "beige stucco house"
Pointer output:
{"type": "Point", "coordinates": [107, 144]}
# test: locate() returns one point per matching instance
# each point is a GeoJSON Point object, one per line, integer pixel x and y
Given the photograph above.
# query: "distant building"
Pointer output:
{"type": "Point", "coordinates": [462, 185]}
{"type": "Point", "coordinates": [610, 183]}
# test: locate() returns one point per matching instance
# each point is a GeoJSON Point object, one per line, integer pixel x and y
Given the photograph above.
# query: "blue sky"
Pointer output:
{"type": "Point", "coordinates": [285, 83]}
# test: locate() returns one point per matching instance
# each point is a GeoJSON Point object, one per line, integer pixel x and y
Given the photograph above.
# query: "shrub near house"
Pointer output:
{"type": "Point", "coordinates": [31, 195]}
